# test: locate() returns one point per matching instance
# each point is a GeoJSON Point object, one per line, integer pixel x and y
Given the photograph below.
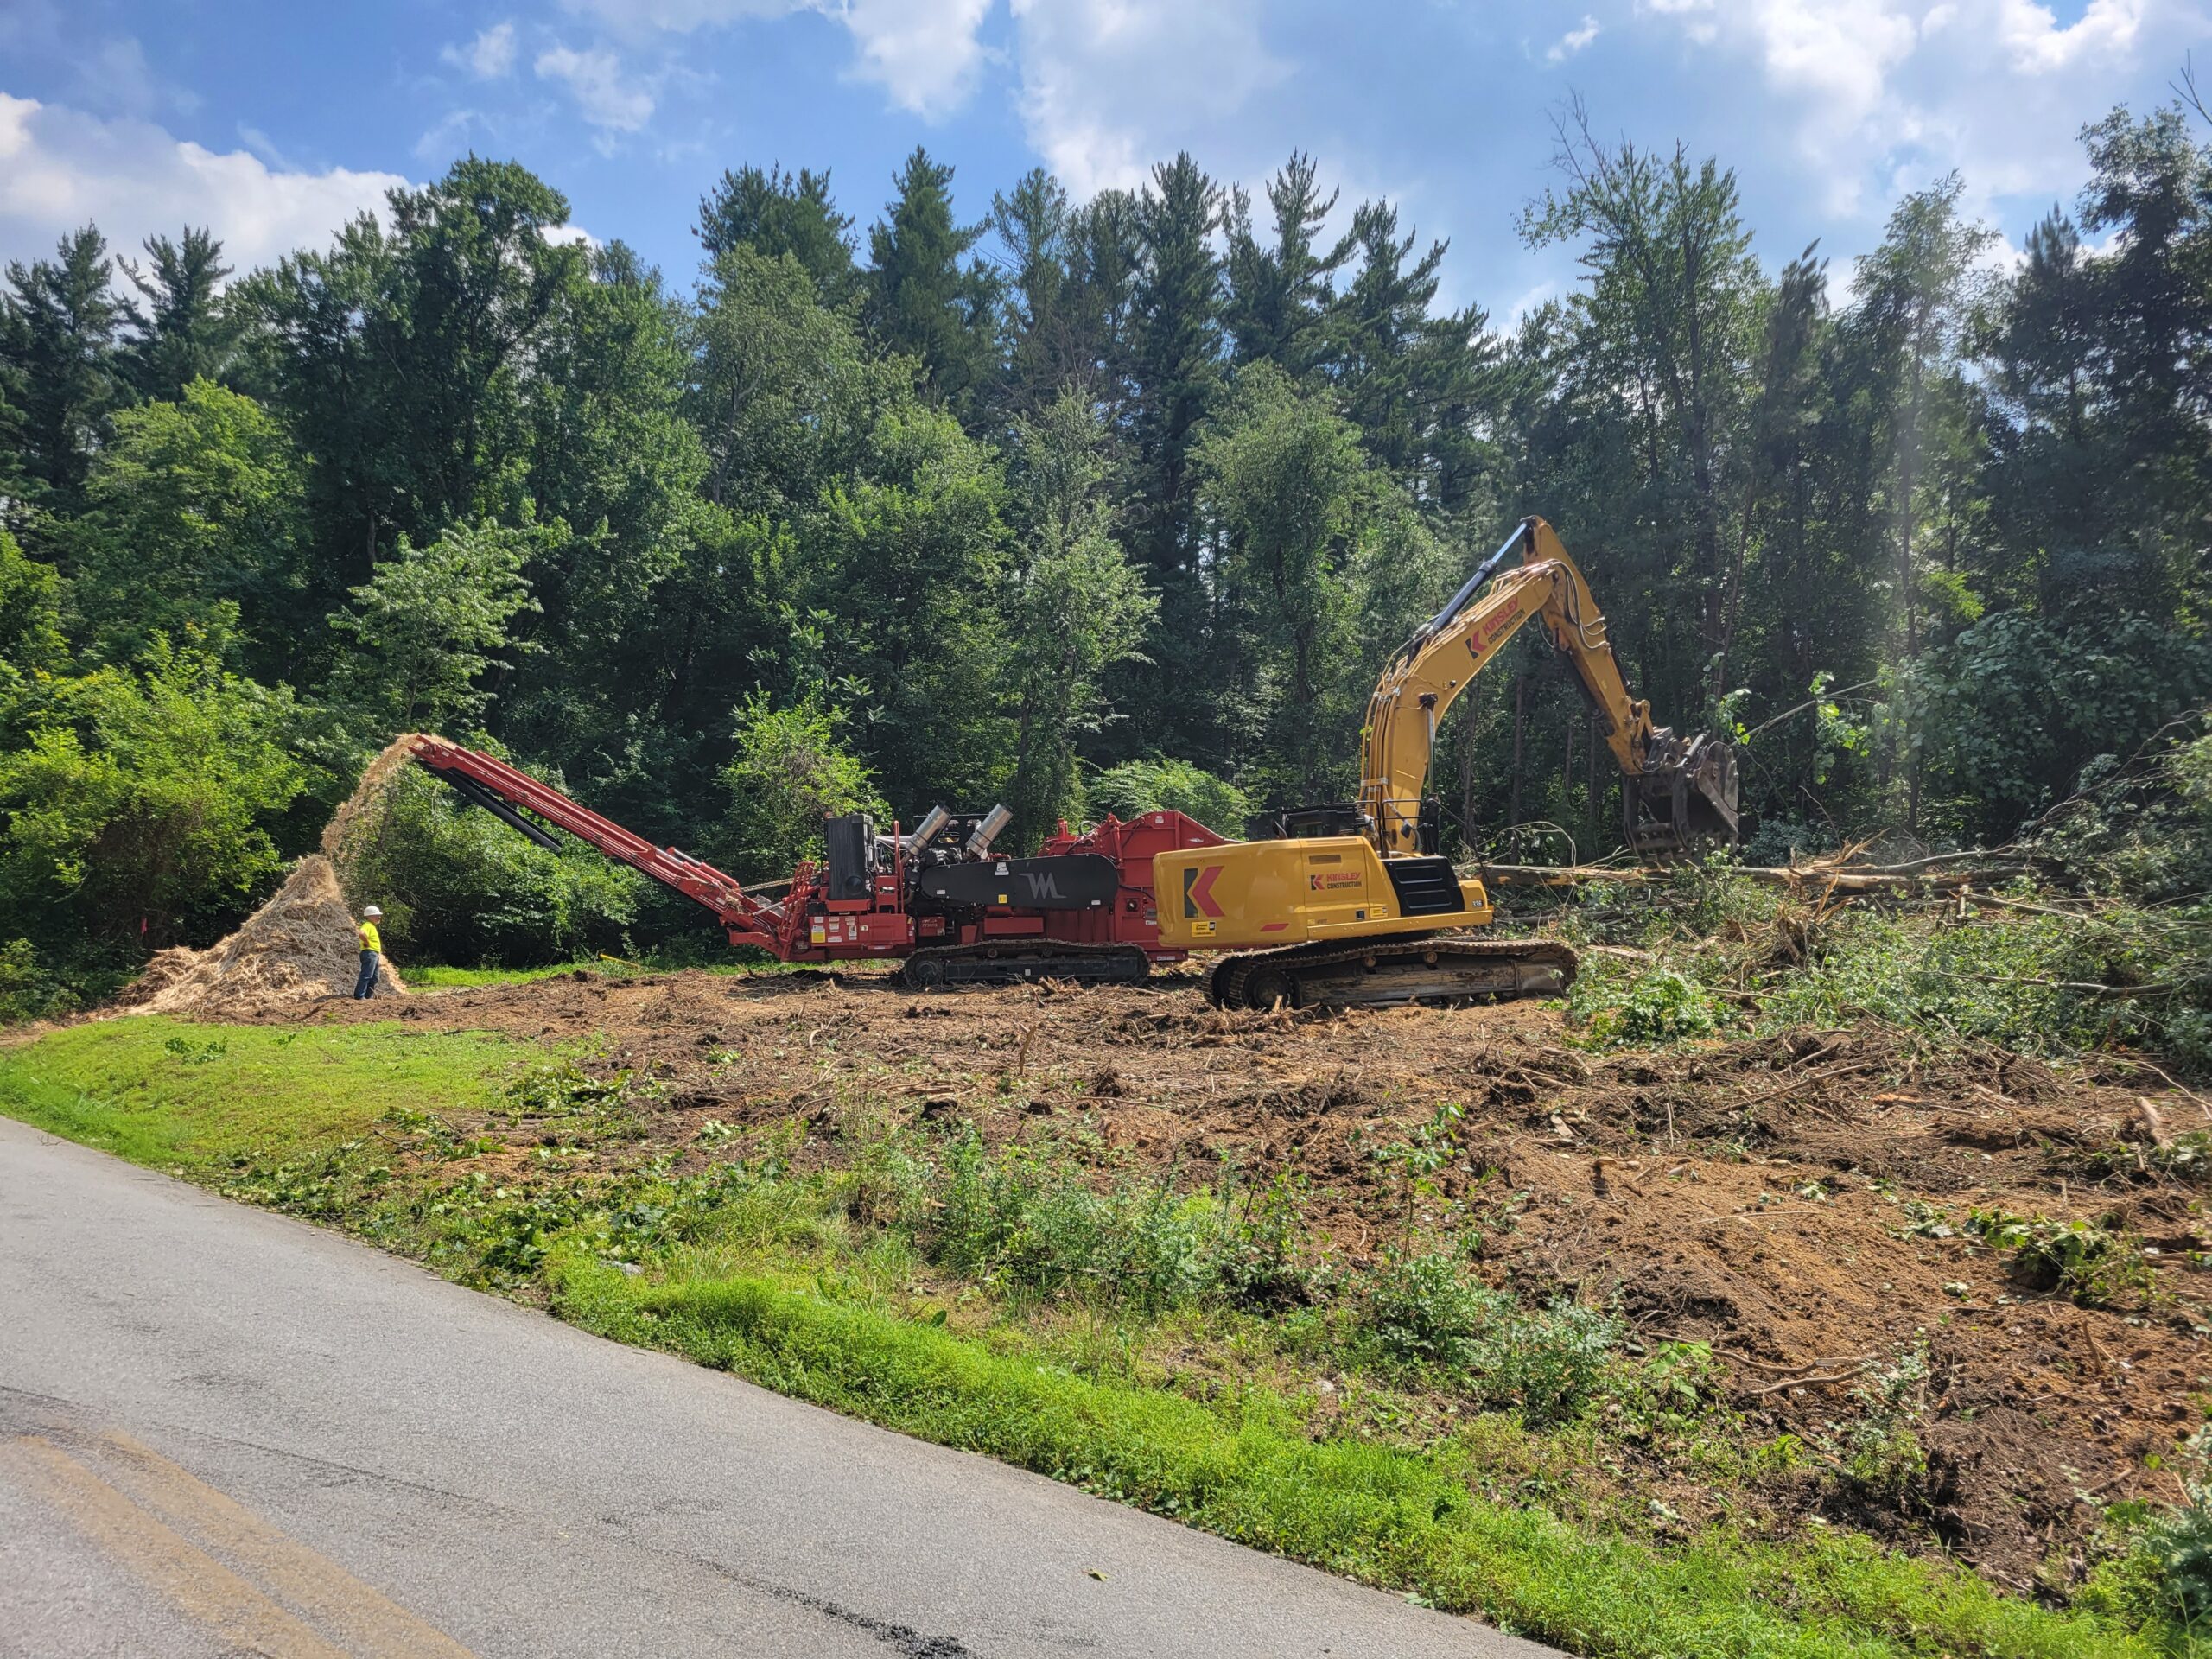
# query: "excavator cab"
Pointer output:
{"type": "Point", "coordinates": [1305, 822]}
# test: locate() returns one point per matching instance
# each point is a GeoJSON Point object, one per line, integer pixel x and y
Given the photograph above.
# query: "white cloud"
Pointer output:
{"type": "Point", "coordinates": [60, 167]}
{"type": "Point", "coordinates": [1696, 15]}
{"type": "Point", "coordinates": [447, 138]}
{"type": "Point", "coordinates": [266, 147]}
{"type": "Point", "coordinates": [636, 19]}
{"type": "Point", "coordinates": [923, 53]}
{"type": "Point", "coordinates": [1574, 40]}
{"type": "Point", "coordinates": [1883, 95]}
{"type": "Point", "coordinates": [118, 67]}
{"type": "Point", "coordinates": [1110, 87]}
{"type": "Point", "coordinates": [488, 57]}
{"type": "Point", "coordinates": [2038, 45]}
{"type": "Point", "coordinates": [605, 96]}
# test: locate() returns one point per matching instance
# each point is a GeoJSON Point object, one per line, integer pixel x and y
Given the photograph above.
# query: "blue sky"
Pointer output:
{"type": "Point", "coordinates": [274, 122]}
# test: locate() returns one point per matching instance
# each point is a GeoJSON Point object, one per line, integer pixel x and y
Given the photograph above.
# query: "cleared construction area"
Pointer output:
{"type": "Point", "coordinates": [1800, 1204]}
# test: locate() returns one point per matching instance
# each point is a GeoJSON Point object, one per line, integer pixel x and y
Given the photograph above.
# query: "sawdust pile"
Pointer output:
{"type": "Point", "coordinates": [299, 947]}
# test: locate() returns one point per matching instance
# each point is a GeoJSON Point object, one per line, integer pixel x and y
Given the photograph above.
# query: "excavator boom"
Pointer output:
{"type": "Point", "coordinates": [1679, 790]}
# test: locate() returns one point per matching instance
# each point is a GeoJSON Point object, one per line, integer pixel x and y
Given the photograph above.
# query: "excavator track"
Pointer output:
{"type": "Point", "coordinates": [1439, 968]}
{"type": "Point", "coordinates": [1017, 961]}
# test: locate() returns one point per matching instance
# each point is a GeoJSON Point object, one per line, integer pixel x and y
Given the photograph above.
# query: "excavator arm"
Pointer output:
{"type": "Point", "coordinates": [1681, 789]}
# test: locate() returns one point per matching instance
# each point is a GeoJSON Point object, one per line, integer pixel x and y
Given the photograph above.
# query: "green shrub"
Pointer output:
{"type": "Point", "coordinates": [458, 886]}
{"type": "Point", "coordinates": [2178, 1547]}
{"type": "Point", "coordinates": [1657, 1006]}
{"type": "Point", "coordinates": [1018, 1220]}
{"type": "Point", "coordinates": [1882, 1450]}
{"type": "Point", "coordinates": [791, 770]}
{"type": "Point", "coordinates": [1261, 1263]}
{"type": "Point", "coordinates": [1425, 1311]}
{"type": "Point", "coordinates": [1136, 787]}
{"type": "Point", "coordinates": [1551, 1361]}
{"type": "Point", "coordinates": [27, 991]}
{"type": "Point", "coordinates": [2098, 1267]}
{"type": "Point", "coordinates": [1426, 1314]}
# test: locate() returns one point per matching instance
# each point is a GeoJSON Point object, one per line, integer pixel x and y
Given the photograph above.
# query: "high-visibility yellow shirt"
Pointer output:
{"type": "Point", "coordinates": [370, 940]}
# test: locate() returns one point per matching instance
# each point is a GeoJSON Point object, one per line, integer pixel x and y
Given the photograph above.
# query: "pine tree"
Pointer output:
{"type": "Point", "coordinates": [1105, 254]}
{"type": "Point", "coordinates": [921, 300]}
{"type": "Point", "coordinates": [1381, 339]}
{"type": "Point", "coordinates": [57, 341]}
{"type": "Point", "coordinates": [1043, 347]}
{"type": "Point", "coordinates": [1279, 296]}
{"type": "Point", "coordinates": [774, 212]}
{"type": "Point", "coordinates": [1179, 371]}
{"type": "Point", "coordinates": [187, 333]}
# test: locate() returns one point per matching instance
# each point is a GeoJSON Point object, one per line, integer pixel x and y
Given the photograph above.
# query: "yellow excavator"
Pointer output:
{"type": "Point", "coordinates": [1351, 906]}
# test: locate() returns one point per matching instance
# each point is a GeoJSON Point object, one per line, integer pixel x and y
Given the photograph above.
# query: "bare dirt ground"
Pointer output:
{"type": "Point", "coordinates": [1793, 1202]}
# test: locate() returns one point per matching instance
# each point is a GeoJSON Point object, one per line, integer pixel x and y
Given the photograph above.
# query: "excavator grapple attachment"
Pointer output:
{"type": "Point", "coordinates": [1685, 798]}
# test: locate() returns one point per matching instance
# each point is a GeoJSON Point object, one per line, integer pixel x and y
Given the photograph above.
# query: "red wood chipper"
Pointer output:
{"type": "Point", "coordinates": [937, 899]}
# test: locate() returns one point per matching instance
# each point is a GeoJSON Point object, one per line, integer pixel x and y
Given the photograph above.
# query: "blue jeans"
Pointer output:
{"type": "Point", "coordinates": [372, 964]}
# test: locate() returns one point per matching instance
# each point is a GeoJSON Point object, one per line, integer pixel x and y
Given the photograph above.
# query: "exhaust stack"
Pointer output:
{"type": "Point", "coordinates": [986, 832]}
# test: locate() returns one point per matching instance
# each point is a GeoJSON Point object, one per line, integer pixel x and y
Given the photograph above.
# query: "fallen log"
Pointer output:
{"type": "Point", "coordinates": [1814, 877]}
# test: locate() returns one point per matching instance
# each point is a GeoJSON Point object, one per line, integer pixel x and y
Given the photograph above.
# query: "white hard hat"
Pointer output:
{"type": "Point", "coordinates": [372, 910]}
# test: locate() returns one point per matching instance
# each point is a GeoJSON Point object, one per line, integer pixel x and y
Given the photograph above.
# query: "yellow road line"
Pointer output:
{"type": "Point", "coordinates": [208, 1591]}
{"type": "Point", "coordinates": [371, 1625]}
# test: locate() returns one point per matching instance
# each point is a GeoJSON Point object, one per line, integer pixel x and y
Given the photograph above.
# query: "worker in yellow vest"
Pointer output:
{"type": "Point", "coordinates": [372, 954]}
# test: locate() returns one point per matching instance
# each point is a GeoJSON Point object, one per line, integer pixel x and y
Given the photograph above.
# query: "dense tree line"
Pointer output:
{"type": "Point", "coordinates": [1080, 505]}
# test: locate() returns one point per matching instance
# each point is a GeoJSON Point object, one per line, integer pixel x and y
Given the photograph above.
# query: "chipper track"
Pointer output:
{"type": "Point", "coordinates": [1445, 967]}
{"type": "Point", "coordinates": [1016, 961]}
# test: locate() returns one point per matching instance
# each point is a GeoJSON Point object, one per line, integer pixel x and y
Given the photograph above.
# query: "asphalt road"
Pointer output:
{"type": "Point", "coordinates": [222, 1431]}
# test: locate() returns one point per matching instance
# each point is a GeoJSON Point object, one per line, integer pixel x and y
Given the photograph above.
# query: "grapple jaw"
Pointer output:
{"type": "Point", "coordinates": [1685, 798]}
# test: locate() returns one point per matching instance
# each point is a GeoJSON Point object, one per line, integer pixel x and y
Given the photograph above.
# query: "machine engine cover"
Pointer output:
{"type": "Point", "coordinates": [1078, 881]}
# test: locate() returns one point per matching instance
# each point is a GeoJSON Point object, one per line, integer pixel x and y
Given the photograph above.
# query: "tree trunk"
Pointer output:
{"type": "Point", "coordinates": [1468, 782]}
{"type": "Point", "coordinates": [1732, 598]}
{"type": "Point", "coordinates": [1520, 722]}
{"type": "Point", "coordinates": [1597, 818]}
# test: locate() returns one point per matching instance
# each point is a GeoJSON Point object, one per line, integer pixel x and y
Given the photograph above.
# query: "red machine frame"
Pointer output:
{"type": "Point", "coordinates": [808, 925]}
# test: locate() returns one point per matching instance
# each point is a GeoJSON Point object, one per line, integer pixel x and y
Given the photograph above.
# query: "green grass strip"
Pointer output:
{"type": "Point", "coordinates": [195, 1097]}
{"type": "Point", "coordinates": [1387, 1516]}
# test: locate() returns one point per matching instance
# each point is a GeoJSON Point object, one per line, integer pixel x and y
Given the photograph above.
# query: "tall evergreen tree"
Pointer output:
{"type": "Point", "coordinates": [1384, 347]}
{"type": "Point", "coordinates": [186, 334]}
{"type": "Point", "coordinates": [1279, 296]}
{"type": "Point", "coordinates": [59, 324]}
{"type": "Point", "coordinates": [922, 301]}
{"type": "Point", "coordinates": [1105, 255]}
{"type": "Point", "coordinates": [773, 212]}
{"type": "Point", "coordinates": [1177, 361]}
{"type": "Point", "coordinates": [1043, 347]}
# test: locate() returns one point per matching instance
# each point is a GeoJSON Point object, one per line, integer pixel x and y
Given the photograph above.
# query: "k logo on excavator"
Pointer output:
{"type": "Point", "coordinates": [1198, 891]}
